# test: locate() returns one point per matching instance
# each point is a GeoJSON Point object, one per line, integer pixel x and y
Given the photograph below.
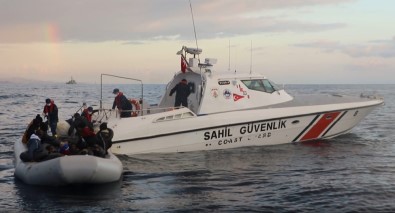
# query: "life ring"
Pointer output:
{"type": "Point", "coordinates": [137, 107]}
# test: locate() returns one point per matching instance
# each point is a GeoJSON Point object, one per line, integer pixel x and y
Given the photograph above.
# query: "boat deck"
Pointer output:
{"type": "Point", "coordinates": [320, 99]}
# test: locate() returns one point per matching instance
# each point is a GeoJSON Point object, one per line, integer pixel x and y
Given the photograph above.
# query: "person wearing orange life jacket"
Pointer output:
{"type": "Point", "coordinates": [87, 136]}
{"type": "Point", "coordinates": [122, 103]}
{"type": "Point", "coordinates": [87, 113]}
{"type": "Point", "coordinates": [51, 113]}
{"type": "Point", "coordinates": [136, 104]}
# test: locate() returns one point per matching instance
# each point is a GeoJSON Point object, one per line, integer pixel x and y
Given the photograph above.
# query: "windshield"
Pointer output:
{"type": "Point", "coordinates": [263, 85]}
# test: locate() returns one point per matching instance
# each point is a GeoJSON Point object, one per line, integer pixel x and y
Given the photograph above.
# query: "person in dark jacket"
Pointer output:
{"type": "Point", "coordinates": [182, 92]}
{"type": "Point", "coordinates": [122, 103]}
{"type": "Point", "coordinates": [51, 112]}
{"type": "Point", "coordinates": [87, 114]}
{"type": "Point", "coordinates": [75, 122]}
{"type": "Point", "coordinates": [87, 136]}
{"type": "Point", "coordinates": [47, 139]}
{"type": "Point", "coordinates": [34, 125]}
{"type": "Point", "coordinates": [105, 136]}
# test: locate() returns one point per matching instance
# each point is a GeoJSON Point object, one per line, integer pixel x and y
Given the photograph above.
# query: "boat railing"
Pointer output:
{"type": "Point", "coordinates": [120, 77]}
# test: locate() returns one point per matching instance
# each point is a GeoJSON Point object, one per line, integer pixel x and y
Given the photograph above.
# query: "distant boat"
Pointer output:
{"type": "Point", "coordinates": [72, 81]}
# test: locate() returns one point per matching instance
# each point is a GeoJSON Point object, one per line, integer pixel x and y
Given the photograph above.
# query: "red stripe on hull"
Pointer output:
{"type": "Point", "coordinates": [320, 126]}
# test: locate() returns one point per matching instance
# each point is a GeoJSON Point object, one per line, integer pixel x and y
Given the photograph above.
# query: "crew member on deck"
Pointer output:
{"type": "Point", "coordinates": [182, 92]}
{"type": "Point", "coordinates": [122, 103]}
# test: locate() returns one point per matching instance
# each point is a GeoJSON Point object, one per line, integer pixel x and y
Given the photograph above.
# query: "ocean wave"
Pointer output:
{"type": "Point", "coordinates": [351, 173]}
{"type": "Point", "coordinates": [15, 96]}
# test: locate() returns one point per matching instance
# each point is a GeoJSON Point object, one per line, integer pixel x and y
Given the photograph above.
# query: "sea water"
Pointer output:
{"type": "Point", "coordinates": [351, 173]}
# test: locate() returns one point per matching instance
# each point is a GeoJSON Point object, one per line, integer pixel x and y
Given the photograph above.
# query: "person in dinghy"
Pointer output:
{"type": "Point", "coordinates": [87, 113]}
{"type": "Point", "coordinates": [34, 125]}
{"type": "Point", "coordinates": [51, 113]}
{"type": "Point", "coordinates": [35, 150]}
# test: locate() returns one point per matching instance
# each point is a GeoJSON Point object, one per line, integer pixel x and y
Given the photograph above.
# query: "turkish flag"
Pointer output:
{"type": "Point", "coordinates": [237, 97]}
{"type": "Point", "coordinates": [241, 89]}
{"type": "Point", "coordinates": [183, 65]}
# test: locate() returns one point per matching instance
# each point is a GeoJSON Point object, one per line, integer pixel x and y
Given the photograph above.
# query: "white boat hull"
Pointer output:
{"type": "Point", "coordinates": [73, 169]}
{"type": "Point", "coordinates": [237, 128]}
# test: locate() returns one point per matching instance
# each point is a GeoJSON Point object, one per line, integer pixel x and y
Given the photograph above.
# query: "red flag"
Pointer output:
{"type": "Point", "coordinates": [183, 65]}
{"type": "Point", "coordinates": [236, 97]}
{"type": "Point", "coordinates": [241, 89]}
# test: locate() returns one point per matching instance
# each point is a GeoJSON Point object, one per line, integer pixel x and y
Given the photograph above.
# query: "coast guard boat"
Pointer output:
{"type": "Point", "coordinates": [232, 110]}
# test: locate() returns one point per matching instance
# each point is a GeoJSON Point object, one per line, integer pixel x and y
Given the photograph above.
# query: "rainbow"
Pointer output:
{"type": "Point", "coordinates": [52, 33]}
{"type": "Point", "coordinates": [54, 40]}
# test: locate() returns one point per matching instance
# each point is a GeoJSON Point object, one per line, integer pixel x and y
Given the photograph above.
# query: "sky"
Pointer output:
{"type": "Point", "coordinates": [289, 41]}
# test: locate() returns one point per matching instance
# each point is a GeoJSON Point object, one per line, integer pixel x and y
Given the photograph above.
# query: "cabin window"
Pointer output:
{"type": "Point", "coordinates": [274, 85]}
{"type": "Point", "coordinates": [262, 85]}
{"type": "Point", "coordinates": [192, 87]}
{"type": "Point", "coordinates": [176, 117]}
{"type": "Point", "coordinates": [268, 86]}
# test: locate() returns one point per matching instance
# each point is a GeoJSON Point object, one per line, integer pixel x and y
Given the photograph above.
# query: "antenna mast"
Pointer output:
{"type": "Point", "coordinates": [229, 57]}
{"type": "Point", "coordinates": [194, 29]}
{"type": "Point", "coordinates": [251, 59]}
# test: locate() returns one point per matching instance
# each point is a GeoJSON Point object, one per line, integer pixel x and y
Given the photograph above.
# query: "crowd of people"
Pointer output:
{"type": "Point", "coordinates": [81, 138]}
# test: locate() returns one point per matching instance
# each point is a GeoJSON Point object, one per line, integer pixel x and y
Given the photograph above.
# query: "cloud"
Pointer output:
{"type": "Point", "coordinates": [373, 64]}
{"type": "Point", "coordinates": [230, 7]}
{"type": "Point", "coordinates": [134, 43]}
{"type": "Point", "coordinates": [137, 20]}
{"type": "Point", "coordinates": [325, 45]}
{"type": "Point", "coordinates": [233, 26]}
{"type": "Point", "coordinates": [376, 48]}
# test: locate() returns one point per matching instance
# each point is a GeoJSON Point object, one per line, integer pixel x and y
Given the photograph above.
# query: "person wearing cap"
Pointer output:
{"type": "Point", "coordinates": [87, 113]}
{"type": "Point", "coordinates": [51, 113]}
{"type": "Point", "coordinates": [182, 91]}
{"type": "Point", "coordinates": [122, 104]}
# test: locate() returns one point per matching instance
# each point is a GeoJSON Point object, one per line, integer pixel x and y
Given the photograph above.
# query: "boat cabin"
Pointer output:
{"type": "Point", "coordinates": [213, 92]}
